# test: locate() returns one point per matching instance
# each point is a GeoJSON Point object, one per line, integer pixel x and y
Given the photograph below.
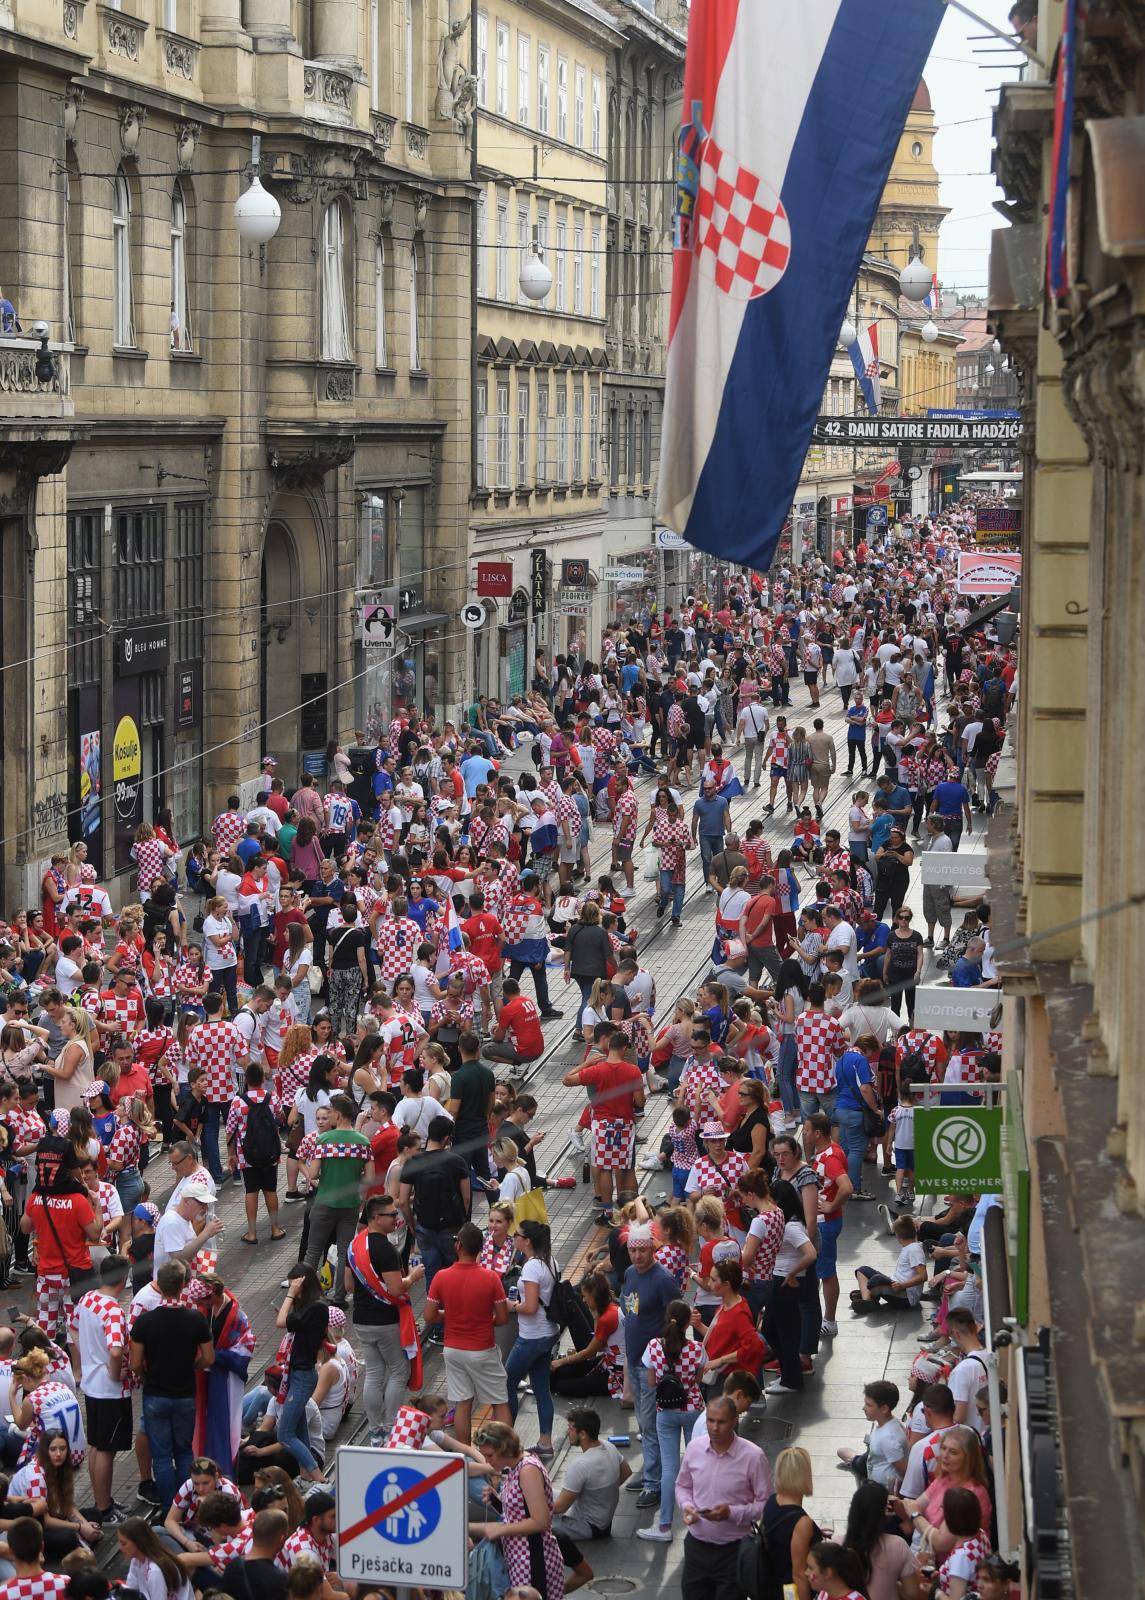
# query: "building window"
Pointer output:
{"type": "Point", "coordinates": [542, 225]}
{"type": "Point", "coordinates": [85, 625]}
{"type": "Point", "coordinates": [543, 429]}
{"type": "Point", "coordinates": [597, 113]}
{"type": "Point", "coordinates": [381, 345]}
{"type": "Point", "coordinates": [562, 429]}
{"type": "Point", "coordinates": [524, 57]}
{"type": "Point", "coordinates": [562, 98]}
{"type": "Point", "coordinates": [562, 294]}
{"type": "Point", "coordinates": [543, 88]}
{"type": "Point", "coordinates": [578, 430]}
{"type": "Point", "coordinates": [646, 430]}
{"type": "Point", "coordinates": [482, 59]}
{"type": "Point", "coordinates": [481, 459]}
{"type": "Point", "coordinates": [137, 564]}
{"type": "Point", "coordinates": [594, 275]}
{"type": "Point", "coordinates": [578, 270]}
{"type": "Point", "coordinates": [415, 349]}
{"type": "Point", "coordinates": [334, 341]}
{"type": "Point", "coordinates": [502, 455]}
{"type": "Point", "coordinates": [123, 300]}
{"type": "Point", "coordinates": [502, 284]}
{"type": "Point", "coordinates": [503, 69]}
{"type": "Point", "coordinates": [375, 57]}
{"type": "Point", "coordinates": [593, 435]}
{"type": "Point", "coordinates": [180, 298]}
{"type": "Point", "coordinates": [188, 576]}
{"type": "Point", "coordinates": [631, 465]}
{"type": "Point", "coordinates": [522, 250]}
{"type": "Point", "coordinates": [522, 434]}
{"type": "Point", "coordinates": [411, 539]}
{"type": "Point", "coordinates": [410, 53]}
{"type": "Point", "coordinates": [69, 264]}
{"type": "Point", "coordinates": [613, 447]}
{"type": "Point", "coordinates": [578, 107]}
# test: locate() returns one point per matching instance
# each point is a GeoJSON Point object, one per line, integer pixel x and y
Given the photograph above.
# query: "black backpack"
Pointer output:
{"type": "Point", "coordinates": [671, 1394]}
{"type": "Point", "coordinates": [565, 1307]}
{"type": "Point", "coordinates": [913, 1068]}
{"type": "Point", "coordinates": [262, 1146]}
{"type": "Point", "coordinates": [756, 1574]}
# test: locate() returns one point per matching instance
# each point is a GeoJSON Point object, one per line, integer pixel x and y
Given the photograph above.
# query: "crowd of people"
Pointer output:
{"type": "Point", "coordinates": [338, 1000]}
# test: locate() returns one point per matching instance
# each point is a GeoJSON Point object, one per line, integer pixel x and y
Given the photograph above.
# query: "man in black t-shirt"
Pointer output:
{"type": "Point", "coordinates": [257, 1575]}
{"type": "Point", "coordinates": [435, 1196]}
{"type": "Point", "coordinates": [168, 1347]}
{"type": "Point", "coordinates": [471, 1088]}
{"type": "Point", "coordinates": [375, 1263]}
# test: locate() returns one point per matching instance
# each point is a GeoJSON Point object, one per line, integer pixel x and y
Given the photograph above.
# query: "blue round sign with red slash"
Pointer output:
{"type": "Point", "coordinates": [413, 1519]}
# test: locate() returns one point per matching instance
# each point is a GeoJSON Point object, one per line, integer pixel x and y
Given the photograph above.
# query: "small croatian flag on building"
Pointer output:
{"type": "Point", "coordinates": [864, 355]}
{"type": "Point", "coordinates": [792, 116]}
{"type": "Point", "coordinates": [933, 297]}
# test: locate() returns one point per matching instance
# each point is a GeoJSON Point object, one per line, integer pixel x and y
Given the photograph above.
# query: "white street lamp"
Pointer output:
{"type": "Point", "coordinates": [536, 280]}
{"type": "Point", "coordinates": [989, 369]}
{"type": "Point", "coordinates": [916, 279]}
{"type": "Point", "coordinates": [257, 214]}
{"type": "Point", "coordinates": [847, 334]}
{"type": "Point", "coordinates": [928, 332]}
{"type": "Point", "coordinates": [997, 347]}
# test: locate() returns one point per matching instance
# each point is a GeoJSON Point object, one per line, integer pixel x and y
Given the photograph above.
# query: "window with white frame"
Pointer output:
{"type": "Point", "coordinates": [503, 69]}
{"type": "Point", "coordinates": [524, 58]}
{"type": "Point", "coordinates": [597, 114]}
{"type": "Point", "coordinates": [334, 334]}
{"type": "Point", "coordinates": [542, 226]}
{"type": "Point", "coordinates": [646, 430]}
{"type": "Point", "coordinates": [578, 106]}
{"type": "Point", "coordinates": [123, 299]}
{"type": "Point", "coordinates": [562, 427]}
{"type": "Point", "coordinates": [69, 267]}
{"type": "Point", "coordinates": [542, 428]}
{"type": "Point", "coordinates": [415, 328]}
{"type": "Point", "coordinates": [594, 434]}
{"type": "Point", "coordinates": [522, 250]}
{"type": "Point", "coordinates": [482, 232]}
{"type": "Point", "coordinates": [543, 88]}
{"type": "Point", "coordinates": [562, 98]}
{"type": "Point", "coordinates": [180, 325]}
{"type": "Point", "coordinates": [578, 429]}
{"type": "Point", "coordinates": [381, 343]}
{"type": "Point", "coordinates": [502, 440]}
{"type": "Point", "coordinates": [578, 270]}
{"type": "Point", "coordinates": [522, 433]}
{"type": "Point", "coordinates": [409, 51]}
{"type": "Point", "coordinates": [562, 294]}
{"type": "Point", "coordinates": [375, 56]}
{"type": "Point", "coordinates": [482, 59]}
{"type": "Point", "coordinates": [502, 284]}
{"type": "Point", "coordinates": [594, 275]}
{"type": "Point", "coordinates": [481, 455]}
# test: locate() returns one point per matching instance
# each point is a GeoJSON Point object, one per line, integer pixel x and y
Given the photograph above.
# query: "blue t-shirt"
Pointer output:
{"type": "Point", "coordinates": [712, 814]}
{"type": "Point", "coordinates": [857, 723]}
{"type": "Point", "coordinates": [246, 848]}
{"type": "Point", "coordinates": [851, 1070]}
{"type": "Point", "coordinates": [899, 799]}
{"type": "Point", "coordinates": [880, 831]}
{"type": "Point", "coordinates": [475, 770]}
{"type": "Point", "coordinates": [644, 1298]}
{"type": "Point", "coordinates": [965, 974]}
{"type": "Point", "coordinates": [949, 798]}
{"type": "Point", "coordinates": [874, 940]}
{"type": "Point", "coordinates": [629, 674]}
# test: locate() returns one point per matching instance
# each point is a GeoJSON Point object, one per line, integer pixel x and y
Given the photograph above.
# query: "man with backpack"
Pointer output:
{"type": "Point", "coordinates": [435, 1196]}
{"type": "Point", "coordinates": [255, 1150]}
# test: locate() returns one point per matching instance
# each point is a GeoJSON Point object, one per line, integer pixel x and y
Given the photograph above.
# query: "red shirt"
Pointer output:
{"type": "Point", "coordinates": [484, 934]}
{"type": "Point", "coordinates": [521, 1020]}
{"type": "Point", "coordinates": [278, 803]}
{"type": "Point", "coordinates": [754, 912]}
{"type": "Point", "coordinates": [71, 1214]}
{"type": "Point", "coordinates": [467, 1294]}
{"type": "Point", "coordinates": [384, 1145]}
{"type": "Point", "coordinates": [615, 1083]}
{"type": "Point", "coordinates": [137, 1081]}
{"type": "Point", "coordinates": [282, 921]}
{"type": "Point", "coordinates": [830, 1165]}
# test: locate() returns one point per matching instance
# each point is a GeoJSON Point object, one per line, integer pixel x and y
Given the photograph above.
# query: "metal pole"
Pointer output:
{"type": "Point", "coordinates": [997, 1428]}
{"type": "Point", "coordinates": [999, 33]}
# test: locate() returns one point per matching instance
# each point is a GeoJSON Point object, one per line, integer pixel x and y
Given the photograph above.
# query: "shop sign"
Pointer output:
{"type": "Point", "coordinates": [624, 574]}
{"type": "Point", "coordinates": [90, 785]}
{"type": "Point", "coordinates": [999, 519]}
{"type": "Point", "coordinates": [953, 869]}
{"type": "Point", "coordinates": [574, 574]}
{"type": "Point", "coordinates": [958, 1149]}
{"type": "Point", "coordinates": [519, 606]}
{"type": "Point", "coordinates": [126, 771]}
{"type": "Point", "coordinates": [186, 698]}
{"type": "Point", "coordinates": [988, 574]}
{"type": "Point", "coordinates": [141, 649]}
{"type": "Point", "coordinates": [539, 582]}
{"type": "Point", "coordinates": [667, 540]}
{"type": "Point", "coordinates": [940, 1006]}
{"type": "Point", "coordinates": [495, 578]}
{"type": "Point", "coordinates": [576, 602]}
{"type": "Point", "coordinates": [473, 615]}
{"type": "Point", "coordinates": [377, 625]}
{"type": "Point", "coordinates": [843, 503]}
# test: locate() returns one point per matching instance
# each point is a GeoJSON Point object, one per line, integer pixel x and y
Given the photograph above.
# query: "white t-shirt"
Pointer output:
{"type": "Point", "coordinates": [215, 958]}
{"type": "Point", "coordinates": [173, 1233]}
{"type": "Point", "coordinates": [886, 1444]}
{"type": "Point", "coordinates": [199, 1176]}
{"type": "Point", "coordinates": [537, 1325]}
{"type": "Point", "coordinates": [227, 884]}
{"type": "Point", "coordinates": [417, 1113]}
{"type": "Point", "coordinates": [639, 991]}
{"type": "Point", "coordinates": [965, 1381]}
{"type": "Point", "coordinates": [842, 937]}
{"type": "Point", "coordinates": [910, 1258]}
{"type": "Point", "coordinates": [68, 976]}
{"type": "Point", "coordinates": [150, 1582]}
{"type": "Point", "coordinates": [421, 976]}
{"type": "Point", "coordinates": [514, 1184]}
{"type": "Point", "coordinates": [308, 1109]}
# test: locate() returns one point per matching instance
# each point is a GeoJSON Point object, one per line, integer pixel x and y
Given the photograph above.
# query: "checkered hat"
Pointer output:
{"type": "Point", "coordinates": [197, 1290]}
{"type": "Point", "coordinates": [337, 1323]}
{"type": "Point", "coordinates": [88, 874]}
{"type": "Point", "coordinates": [713, 1130]}
{"type": "Point", "coordinates": [409, 1430]}
{"type": "Point", "coordinates": [96, 1087]}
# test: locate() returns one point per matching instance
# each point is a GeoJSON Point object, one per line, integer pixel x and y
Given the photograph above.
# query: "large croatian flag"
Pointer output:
{"type": "Point", "coordinates": [792, 117]}
{"type": "Point", "coordinates": [864, 355]}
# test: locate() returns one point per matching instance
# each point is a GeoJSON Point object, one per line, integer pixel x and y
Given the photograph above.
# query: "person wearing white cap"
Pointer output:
{"type": "Point", "coordinates": [183, 1231]}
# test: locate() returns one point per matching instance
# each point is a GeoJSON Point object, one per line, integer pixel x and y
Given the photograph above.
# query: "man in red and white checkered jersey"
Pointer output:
{"type": "Point", "coordinates": [604, 743]}
{"type": "Point", "coordinates": [191, 1494]}
{"type": "Point", "coordinates": [819, 1042]}
{"type": "Point", "coordinates": [98, 1333]}
{"type": "Point", "coordinates": [396, 938]}
{"type": "Point", "coordinates": [228, 828]}
{"type": "Point", "coordinates": [25, 1539]}
{"type": "Point", "coordinates": [228, 1527]}
{"type": "Point", "coordinates": [314, 1539]}
{"type": "Point", "coordinates": [121, 1008]}
{"type": "Point", "coordinates": [625, 818]}
{"type": "Point", "coordinates": [918, 1041]}
{"type": "Point", "coordinates": [218, 1047]}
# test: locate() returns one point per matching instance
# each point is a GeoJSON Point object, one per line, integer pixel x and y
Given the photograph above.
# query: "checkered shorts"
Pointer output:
{"type": "Point", "coordinates": [613, 1146]}
{"type": "Point", "coordinates": [53, 1304]}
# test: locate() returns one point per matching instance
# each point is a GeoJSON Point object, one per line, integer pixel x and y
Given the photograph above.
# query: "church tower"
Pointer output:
{"type": "Point", "coordinates": [910, 212]}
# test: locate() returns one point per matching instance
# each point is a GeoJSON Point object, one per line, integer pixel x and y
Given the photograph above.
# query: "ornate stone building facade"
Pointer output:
{"type": "Point", "coordinates": [226, 447]}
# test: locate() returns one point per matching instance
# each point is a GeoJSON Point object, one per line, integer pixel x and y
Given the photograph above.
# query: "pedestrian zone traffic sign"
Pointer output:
{"type": "Point", "coordinates": [402, 1517]}
{"type": "Point", "coordinates": [958, 1149]}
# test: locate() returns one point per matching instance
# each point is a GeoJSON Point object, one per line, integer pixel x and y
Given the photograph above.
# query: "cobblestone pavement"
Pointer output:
{"type": "Point", "coordinates": [829, 1410]}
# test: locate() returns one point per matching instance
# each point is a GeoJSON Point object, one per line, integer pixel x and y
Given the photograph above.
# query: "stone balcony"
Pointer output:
{"type": "Point", "coordinates": [22, 394]}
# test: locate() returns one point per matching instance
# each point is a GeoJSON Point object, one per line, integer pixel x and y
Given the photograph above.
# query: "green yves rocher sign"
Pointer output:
{"type": "Point", "coordinates": [958, 1149]}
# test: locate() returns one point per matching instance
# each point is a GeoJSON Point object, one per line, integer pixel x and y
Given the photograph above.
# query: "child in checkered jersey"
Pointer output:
{"type": "Point", "coordinates": [684, 1147]}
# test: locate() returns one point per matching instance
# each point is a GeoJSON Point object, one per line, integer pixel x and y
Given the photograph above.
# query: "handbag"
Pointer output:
{"type": "Point", "coordinates": [650, 871]}
{"type": "Point", "coordinates": [530, 1207]}
{"type": "Point", "coordinates": [314, 978]}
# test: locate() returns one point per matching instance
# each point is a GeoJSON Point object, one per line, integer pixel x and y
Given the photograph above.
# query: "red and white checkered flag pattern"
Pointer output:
{"type": "Point", "coordinates": [410, 1429]}
{"type": "Point", "coordinates": [743, 237]}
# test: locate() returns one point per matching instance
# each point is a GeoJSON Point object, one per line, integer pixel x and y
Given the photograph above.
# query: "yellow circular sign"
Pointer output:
{"type": "Point", "coordinates": [127, 752]}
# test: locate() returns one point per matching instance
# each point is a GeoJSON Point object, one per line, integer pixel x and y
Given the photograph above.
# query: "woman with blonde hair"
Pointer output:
{"type": "Point", "coordinates": [788, 1530]}
{"type": "Point", "coordinates": [124, 1154]}
{"type": "Point", "coordinates": [678, 1235]}
{"type": "Point", "coordinates": [673, 1043]}
{"type": "Point", "coordinates": [961, 1465]}
{"type": "Point", "coordinates": [526, 1536]}
{"type": "Point", "coordinates": [598, 1006]}
{"type": "Point", "coordinates": [515, 1180]}
{"type": "Point", "coordinates": [73, 1069]}
{"type": "Point", "coordinates": [291, 1501]}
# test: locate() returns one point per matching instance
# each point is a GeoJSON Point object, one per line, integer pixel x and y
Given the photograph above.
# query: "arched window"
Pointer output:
{"type": "Point", "coordinates": [415, 328]}
{"type": "Point", "coordinates": [180, 329]}
{"type": "Point", "coordinates": [381, 343]}
{"type": "Point", "coordinates": [334, 343]}
{"type": "Point", "coordinates": [123, 301]}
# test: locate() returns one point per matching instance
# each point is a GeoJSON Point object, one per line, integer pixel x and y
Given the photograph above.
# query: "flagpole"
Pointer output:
{"type": "Point", "coordinates": [999, 33]}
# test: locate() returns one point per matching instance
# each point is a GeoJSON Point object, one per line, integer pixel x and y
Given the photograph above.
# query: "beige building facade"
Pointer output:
{"type": "Point", "coordinates": [232, 448]}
